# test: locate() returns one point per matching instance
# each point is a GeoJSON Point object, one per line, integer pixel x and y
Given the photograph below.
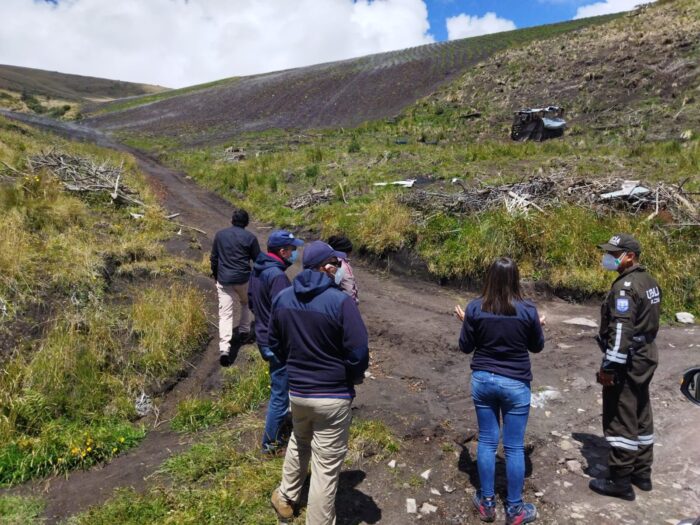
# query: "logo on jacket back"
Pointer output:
{"type": "Point", "coordinates": [654, 295]}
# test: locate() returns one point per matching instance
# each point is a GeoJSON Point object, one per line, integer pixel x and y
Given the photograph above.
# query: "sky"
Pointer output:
{"type": "Point", "coordinates": [177, 43]}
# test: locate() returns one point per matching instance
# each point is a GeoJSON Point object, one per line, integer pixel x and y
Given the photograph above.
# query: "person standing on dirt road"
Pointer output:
{"type": "Point", "coordinates": [317, 330]}
{"type": "Point", "coordinates": [269, 279]}
{"type": "Point", "coordinates": [501, 329]}
{"type": "Point", "coordinates": [231, 254]}
{"type": "Point", "coordinates": [347, 279]}
{"type": "Point", "coordinates": [629, 323]}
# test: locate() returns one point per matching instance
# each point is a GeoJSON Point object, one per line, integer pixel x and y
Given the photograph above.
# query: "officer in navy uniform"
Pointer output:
{"type": "Point", "coordinates": [629, 323]}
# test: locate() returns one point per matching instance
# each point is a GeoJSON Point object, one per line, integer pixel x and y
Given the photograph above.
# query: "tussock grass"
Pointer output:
{"type": "Point", "coordinates": [19, 510]}
{"type": "Point", "coordinates": [371, 439]}
{"type": "Point", "coordinates": [246, 386]}
{"type": "Point", "coordinates": [67, 391]}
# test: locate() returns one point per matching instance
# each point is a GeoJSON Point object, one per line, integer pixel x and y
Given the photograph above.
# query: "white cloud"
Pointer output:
{"type": "Point", "coordinates": [607, 7]}
{"type": "Point", "coordinates": [182, 42]}
{"type": "Point", "coordinates": [464, 26]}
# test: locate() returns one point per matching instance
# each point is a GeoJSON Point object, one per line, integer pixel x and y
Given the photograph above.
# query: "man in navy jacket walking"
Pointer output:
{"type": "Point", "coordinates": [268, 279]}
{"type": "Point", "coordinates": [318, 331]}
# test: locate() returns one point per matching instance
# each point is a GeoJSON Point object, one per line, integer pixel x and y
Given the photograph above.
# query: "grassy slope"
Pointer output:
{"type": "Point", "coordinates": [335, 94]}
{"type": "Point", "coordinates": [69, 87]}
{"type": "Point", "coordinates": [79, 342]}
{"type": "Point", "coordinates": [625, 122]}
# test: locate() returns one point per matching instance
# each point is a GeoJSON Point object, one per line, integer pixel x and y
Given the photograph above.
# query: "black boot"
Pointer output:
{"type": "Point", "coordinates": [642, 482]}
{"type": "Point", "coordinates": [617, 488]}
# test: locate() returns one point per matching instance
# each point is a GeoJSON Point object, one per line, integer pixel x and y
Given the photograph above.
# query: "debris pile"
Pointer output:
{"type": "Point", "coordinates": [310, 198]}
{"type": "Point", "coordinates": [232, 154]}
{"type": "Point", "coordinates": [83, 175]}
{"type": "Point", "coordinates": [541, 192]}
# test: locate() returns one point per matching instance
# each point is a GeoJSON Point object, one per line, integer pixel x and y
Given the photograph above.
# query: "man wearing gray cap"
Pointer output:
{"type": "Point", "coordinates": [629, 323]}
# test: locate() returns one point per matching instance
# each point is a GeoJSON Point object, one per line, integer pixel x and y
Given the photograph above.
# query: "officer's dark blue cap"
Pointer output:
{"type": "Point", "coordinates": [282, 238]}
{"type": "Point", "coordinates": [319, 252]}
{"type": "Point", "coordinates": [621, 242]}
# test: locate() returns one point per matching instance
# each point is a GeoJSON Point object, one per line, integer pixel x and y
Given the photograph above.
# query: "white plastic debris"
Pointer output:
{"type": "Point", "coordinates": [403, 183]}
{"type": "Point", "coordinates": [540, 399]}
{"type": "Point", "coordinates": [427, 508]}
{"type": "Point", "coordinates": [629, 188]}
{"type": "Point", "coordinates": [391, 464]}
{"type": "Point", "coordinates": [143, 405]}
{"type": "Point", "coordinates": [685, 318]}
{"type": "Point", "coordinates": [582, 321]}
{"type": "Point", "coordinates": [426, 475]}
{"type": "Point", "coordinates": [411, 507]}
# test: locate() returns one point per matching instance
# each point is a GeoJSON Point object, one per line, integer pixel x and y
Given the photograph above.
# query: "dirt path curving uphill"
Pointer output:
{"type": "Point", "coordinates": [419, 386]}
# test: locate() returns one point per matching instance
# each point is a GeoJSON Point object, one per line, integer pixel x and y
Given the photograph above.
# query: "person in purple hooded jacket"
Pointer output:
{"type": "Point", "coordinates": [317, 330]}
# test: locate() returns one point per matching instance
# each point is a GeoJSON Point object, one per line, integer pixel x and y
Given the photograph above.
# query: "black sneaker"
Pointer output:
{"type": "Point", "coordinates": [617, 488]}
{"type": "Point", "coordinates": [485, 507]}
{"type": "Point", "coordinates": [642, 483]}
{"type": "Point", "coordinates": [225, 360]}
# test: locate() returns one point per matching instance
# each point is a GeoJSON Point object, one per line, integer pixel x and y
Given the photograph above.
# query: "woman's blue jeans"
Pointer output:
{"type": "Point", "coordinates": [499, 398]}
{"type": "Point", "coordinates": [278, 406]}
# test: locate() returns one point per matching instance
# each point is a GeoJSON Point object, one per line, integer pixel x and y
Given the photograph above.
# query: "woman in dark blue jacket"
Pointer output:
{"type": "Point", "coordinates": [501, 328]}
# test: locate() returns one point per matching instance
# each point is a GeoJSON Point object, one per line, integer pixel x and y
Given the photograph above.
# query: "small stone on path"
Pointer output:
{"type": "Point", "coordinates": [426, 475]}
{"type": "Point", "coordinates": [582, 321]}
{"type": "Point", "coordinates": [685, 318]}
{"type": "Point", "coordinates": [427, 508]}
{"type": "Point", "coordinates": [435, 492]}
{"type": "Point", "coordinates": [567, 484]}
{"type": "Point", "coordinates": [392, 463]}
{"type": "Point", "coordinates": [448, 488]}
{"type": "Point", "coordinates": [565, 445]}
{"type": "Point", "coordinates": [411, 507]}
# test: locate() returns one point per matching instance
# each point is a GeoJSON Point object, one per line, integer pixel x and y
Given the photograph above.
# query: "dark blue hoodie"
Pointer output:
{"type": "Point", "coordinates": [317, 329]}
{"type": "Point", "coordinates": [267, 280]}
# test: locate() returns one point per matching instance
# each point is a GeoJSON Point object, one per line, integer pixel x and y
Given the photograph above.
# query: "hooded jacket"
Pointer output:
{"type": "Point", "coordinates": [267, 280]}
{"type": "Point", "coordinates": [318, 331]}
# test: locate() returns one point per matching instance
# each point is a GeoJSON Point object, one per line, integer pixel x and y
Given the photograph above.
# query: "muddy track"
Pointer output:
{"type": "Point", "coordinates": [419, 385]}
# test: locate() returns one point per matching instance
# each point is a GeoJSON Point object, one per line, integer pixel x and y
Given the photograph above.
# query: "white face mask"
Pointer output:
{"type": "Point", "coordinates": [609, 262]}
{"type": "Point", "coordinates": [339, 274]}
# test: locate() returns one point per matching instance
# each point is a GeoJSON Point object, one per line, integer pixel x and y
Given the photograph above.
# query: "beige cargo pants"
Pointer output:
{"type": "Point", "coordinates": [320, 435]}
{"type": "Point", "coordinates": [227, 294]}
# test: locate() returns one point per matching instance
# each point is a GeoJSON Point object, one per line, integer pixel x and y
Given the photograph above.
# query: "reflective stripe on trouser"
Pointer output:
{"type": "Point", "coordinates": [320, 436]}
{"type": "Point", "coordinates": [627, 418]}
{"type": "Point", "coordinates": [226, 293]}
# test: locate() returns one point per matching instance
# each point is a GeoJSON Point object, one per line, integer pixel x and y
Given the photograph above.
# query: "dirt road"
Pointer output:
{"type": "Point", "coordinates": [419, 386]}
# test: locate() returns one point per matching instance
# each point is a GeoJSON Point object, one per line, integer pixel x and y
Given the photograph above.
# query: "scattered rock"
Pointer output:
{"type": "Point", "coordinates": [540, 399]}
{"type": "Point", "coordinates": [579, 383]}
{"type": "Point", "coordinates": [567, 485]}
{"type": "Point", "coordinates": [448, 488]}
{"type": "Point", "coordinates": [426, 475]}
{"type": "Point", "coordinates": [427, 508]}
{"type": "Point", "coordinates": [435, 492]}
{"type": "Point", "coordinates": [577, 516]}
{"type": "Point", "coordinates": [687, 135]}
{"type": "Point", "coordinates": [565, 445]}
{"type": "Point", "coordinates": [685, 318]}
{"type": "Point", "coordinates": [411, 507]}
{"type": "Point", "coordinates": [392, 463]}
{"type": "Point", "coordinates": [574, 466]}
{"type": "Point", "coordinates": [582, 321]}
{"type": "Point", "coordinates": [539, 494]}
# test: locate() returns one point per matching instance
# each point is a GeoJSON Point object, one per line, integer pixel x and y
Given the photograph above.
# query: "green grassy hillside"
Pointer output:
{"type": "Point", "coordinates": [93, 312]}
{"type": "Point", "coordinates": [625, 124]}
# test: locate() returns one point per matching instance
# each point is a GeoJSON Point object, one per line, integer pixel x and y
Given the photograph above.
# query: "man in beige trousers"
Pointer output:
{"type": "Point", "coordinates": [232, 252]}
{"type": "Point", "coordinates": [318, 331]}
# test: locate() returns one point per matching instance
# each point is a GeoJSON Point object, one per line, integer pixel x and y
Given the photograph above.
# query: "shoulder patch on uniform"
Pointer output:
{"type": "Point", "coordinates": [622, 304]}
{"type": "Point", "coordinates": [628, 283]}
